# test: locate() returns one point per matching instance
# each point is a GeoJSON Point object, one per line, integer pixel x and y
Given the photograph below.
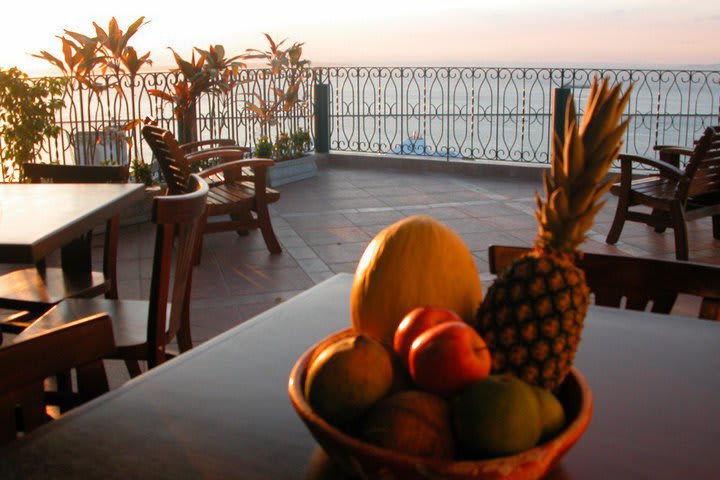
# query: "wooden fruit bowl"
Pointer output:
{"type": "Point", "coordinates": [363, 460]}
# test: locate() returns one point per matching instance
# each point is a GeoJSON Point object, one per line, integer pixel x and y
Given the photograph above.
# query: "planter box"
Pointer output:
{"type": "Point", "coordinates": [288, 171]}
{"type": "Point", "coordinates": [93, 148]}
{"type": "Point", "coordinates": [142, 211]}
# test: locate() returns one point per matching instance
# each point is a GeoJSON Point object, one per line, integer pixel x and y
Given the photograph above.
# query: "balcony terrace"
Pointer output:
{"type": "Point", "coordinates": [485, 139]}
{"type": "Point", "coordinates": [324, 224]}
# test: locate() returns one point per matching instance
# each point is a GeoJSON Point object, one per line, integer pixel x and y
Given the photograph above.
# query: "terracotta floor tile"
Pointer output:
{"type": "Point", "coordinates": [346, 252]}
{"type": "Point", "coordinates": [344, 267]}
{"type": "Point", "coordinates": [333, 235]}
{"type": "Point", "coordinates": [325, 223]}
{"type": "Point", "coordinates": [375, 218]}
{"type": "Point", "coordinates": [248, 280]}
{"type": "Point", "coordinates": [441, 213]}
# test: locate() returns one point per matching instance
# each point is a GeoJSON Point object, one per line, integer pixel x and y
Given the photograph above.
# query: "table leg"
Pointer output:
{"type": "Point", "coordinates": [76, 256]}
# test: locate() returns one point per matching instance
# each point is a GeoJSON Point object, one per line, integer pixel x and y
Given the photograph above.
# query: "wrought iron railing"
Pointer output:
{"type": "Point", "coordinates": [95, 123]}
{"type": "Point", "coordinates": [453, 113]}
{"type": "Point", "coordinates": [504, 113]}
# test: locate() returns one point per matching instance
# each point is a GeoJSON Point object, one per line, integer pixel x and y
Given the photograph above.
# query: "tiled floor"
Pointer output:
{"type": "Point", "coordinates": [324, 224]}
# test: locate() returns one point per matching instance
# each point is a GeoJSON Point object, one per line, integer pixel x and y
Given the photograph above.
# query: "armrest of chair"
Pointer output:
{"type": "Point", "coordinates": [224, 154]}
{"type": "Point", "coordinates": [236, 165]}
{"type": "Point", "coordinates": [220, 142]}
{"type": "Point", "coordinates": [666, 169]}
{"type": "Point", "coordinates": [626, 162]}
{"type": "Point", "coordinates": [671, 154]}
{"type": "Point", "coordinates": [673, 149]}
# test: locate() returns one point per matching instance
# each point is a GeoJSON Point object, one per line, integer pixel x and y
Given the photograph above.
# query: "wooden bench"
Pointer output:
{"type": "Point", "coordinates": [674, 195]}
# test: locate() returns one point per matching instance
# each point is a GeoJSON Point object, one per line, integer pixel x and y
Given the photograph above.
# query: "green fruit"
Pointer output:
{"type": "Point", "coordinates": [412, 422]}
{"type": "Point", "coordinates": [495, 417]}
{"type": "Point", "coordinates": [552, 414]}
{"type": "Point", "coordinates": [347, 378]}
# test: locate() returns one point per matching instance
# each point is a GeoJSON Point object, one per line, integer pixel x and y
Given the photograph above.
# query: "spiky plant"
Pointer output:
{"type": "Point", "coordinates": [533, 314]}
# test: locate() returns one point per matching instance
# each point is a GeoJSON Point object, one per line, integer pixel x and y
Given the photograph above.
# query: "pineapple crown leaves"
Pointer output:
{"type": "Point", "coordinates": [577, 181]}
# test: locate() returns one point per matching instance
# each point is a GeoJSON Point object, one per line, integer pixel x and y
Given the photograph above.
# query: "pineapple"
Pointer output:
{"type": "Point", "coordinates": [533, 314]}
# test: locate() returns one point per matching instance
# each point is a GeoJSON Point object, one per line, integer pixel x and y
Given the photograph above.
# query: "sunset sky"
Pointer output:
{"type": "Point", "coordinates": [633, 33]}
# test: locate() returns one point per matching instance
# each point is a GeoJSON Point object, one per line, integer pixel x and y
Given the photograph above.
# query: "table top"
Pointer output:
{"type": "Point", "coordinates": [222, 409]}
{"type": "Point", "coordinates": [36, 219]}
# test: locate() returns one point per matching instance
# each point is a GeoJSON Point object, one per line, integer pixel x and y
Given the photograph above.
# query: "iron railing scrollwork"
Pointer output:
{"type": "Point", "coordinates": [450, 113]}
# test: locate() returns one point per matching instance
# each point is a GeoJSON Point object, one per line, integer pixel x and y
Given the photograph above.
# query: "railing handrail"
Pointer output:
{"type": "Point", "coordinates": [474, 113]}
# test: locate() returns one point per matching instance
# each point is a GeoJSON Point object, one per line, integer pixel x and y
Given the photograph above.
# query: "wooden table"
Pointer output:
{"type": "Point", "coordinates": [36, 219]}
{"type": "Point", "coordinates": [222, 410]}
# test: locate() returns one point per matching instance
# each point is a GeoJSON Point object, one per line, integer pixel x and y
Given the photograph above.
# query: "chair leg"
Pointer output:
{"type": "Point", "coordinates": [133, 367]}
{"type": "Point", "coordinates": [267, 229]}
{"type": "Point", "coordinates": [680, 226]}
{"type": "Point", "coordinates": [63, 382]}
{"type": "Point", "coordinates": [658, 213]}
{"type": "Point", "coordinates": [184, 336]}
{"type": "Point", "coordinates": [32, 405]}
{"type": "Point", "coordinates": [716, 226]}
{"type": "Point", "coordinates": [199, 242]}
{"type": "Point", "coordinates": [244, 216]}
{"type": "Point", "coordinates": [618, 222]}
{"type": "Point", "coordinates": [184, 339]}
{"type": "Point", "coordinates": [92, 380]}
{"type": "Point", "coordinates": [8, 421]}
{"type": "Point", "coordinates": [110, 256]}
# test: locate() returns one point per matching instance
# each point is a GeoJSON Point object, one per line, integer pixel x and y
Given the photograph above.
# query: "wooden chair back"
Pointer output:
{"type": "Point", "coordinates": [25, 364]}
{"type": "Point", "coordinates": [54, 173]}
{"type": "Point", "coordinates": [703, 168]}
{"type": "Point", "coordinates": [636, 281]}
{"type": "Point", "coordinates": [178, 217]}
{"type": "Point", "coordinates": [175, 169]}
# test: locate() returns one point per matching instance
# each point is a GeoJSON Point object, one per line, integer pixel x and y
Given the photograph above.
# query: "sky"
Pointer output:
{"type": "Point", "coordinates": [626, 33]}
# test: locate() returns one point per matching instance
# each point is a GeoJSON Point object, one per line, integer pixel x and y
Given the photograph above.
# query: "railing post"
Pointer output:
{"type": "Point", "coordinates": [322, 118]}
{"type": "Point", "coordinates": [560, 101]}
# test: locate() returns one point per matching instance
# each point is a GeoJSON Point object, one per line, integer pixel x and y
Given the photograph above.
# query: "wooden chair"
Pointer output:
{"type": "Point", "coordinates": [144, 328]}
{"type": "Point", "coordinates": [637, 281]}
{"type": "Point", "coordinates": [35, 289]}
{"type": "Point", "coordinates": [25, 363]}
{"type": "Point", "coordinates": [675, 195]}
{"type": "Point", "coordinates": [242, 191]}
{"type": "Point", "coordinates": [206, 146]}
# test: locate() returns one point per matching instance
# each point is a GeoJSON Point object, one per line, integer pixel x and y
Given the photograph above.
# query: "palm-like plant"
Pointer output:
{"type": "Point", "coordinates": [81, 56]}
{"type": "Point", "coordinates": [194, 82]}
{"type": "Point", "coordinates": [122, 59]}
{"type": "Point", "coordinates": [209, 72]}
{"type": "Point", "coordinates": [283, 65]}
{"type": "Point", "coordinates": [119, 56]}
{"type": "Point", "coordinates": [85, 58]}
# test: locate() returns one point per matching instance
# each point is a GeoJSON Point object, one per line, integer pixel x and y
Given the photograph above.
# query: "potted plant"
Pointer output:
{"type": "Point", "coordinates": [27, 117]}
{"type": "Point", "coordinates": [285, 72]}
{"type": "Point", "coordinates": [263, 148]}
{"type": "Point", "coordinates": [97, 63]}
{"type": "Point", "coordinates": [291, 153]}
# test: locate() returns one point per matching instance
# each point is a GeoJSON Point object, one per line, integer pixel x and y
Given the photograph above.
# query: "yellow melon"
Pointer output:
{"type": "Point", "coordinates": [415, 262]}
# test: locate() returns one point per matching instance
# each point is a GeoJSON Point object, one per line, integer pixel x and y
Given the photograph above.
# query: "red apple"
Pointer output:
{"type": "Point", "coordinates": [415, 323]}
{"type": "Point", "coordinates": [448, 357]}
